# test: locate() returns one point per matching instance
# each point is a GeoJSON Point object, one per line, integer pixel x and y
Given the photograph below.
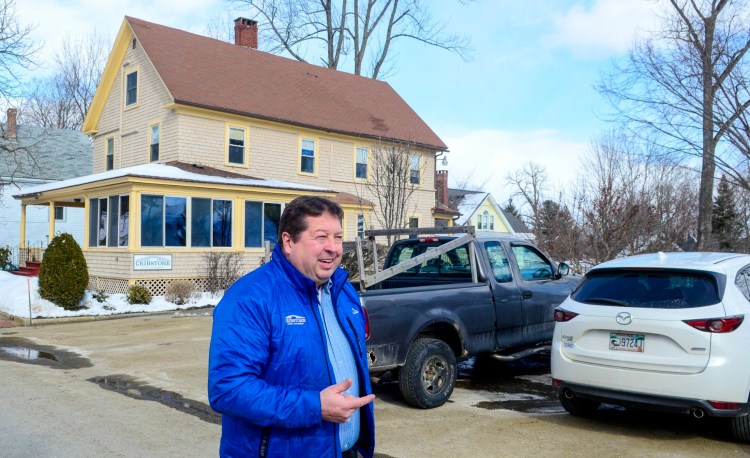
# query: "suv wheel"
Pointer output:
{"type": "Point", "coordinates": [577, 406]}
{"type": "Point", "coordinates": [429, 374]}
{"type": "Point", "coordinates": [740, 427]}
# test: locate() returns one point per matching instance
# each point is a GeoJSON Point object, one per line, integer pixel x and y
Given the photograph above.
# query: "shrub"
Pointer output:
{"type": "Point", "coordinates": [350, 263]}
{"type": "Point", "coordinates": [63, 275]}
{"type": "Point", "coordinates": [100, 295]}
{"type": "Point", "coordinates": [139, 295]}
{"type": "Point", "coordinates": [5, 257]}
{"type": "Point", "coordinates": [180, 291]}
{"type": "Point", "coordinates": [222, 269]}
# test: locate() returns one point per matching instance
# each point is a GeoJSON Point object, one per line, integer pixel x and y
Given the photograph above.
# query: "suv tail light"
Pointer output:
{"type": "Point", "coordinates": [717, 325]}
{"type": "Point", "coordinates": [562, 315]}
{"type": "Point", "coordinates": [723, 405]}
{"type": "Point", "coordinates": [367, 324]}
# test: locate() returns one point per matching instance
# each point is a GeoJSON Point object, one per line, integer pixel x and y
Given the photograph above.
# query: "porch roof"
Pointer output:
{"type": "Point", "coordinates": [164, 172]}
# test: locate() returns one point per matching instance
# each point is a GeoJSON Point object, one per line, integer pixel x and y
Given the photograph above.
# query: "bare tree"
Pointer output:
{"type": "Point", "coordinates": [393, 179]}
{"type": "Point", "coordinates": [361, 30]}
{"type": "Point", "coordinates": [16, 49]}
{"type": "Point", "coordinates": [685, 87]}
{"type": "Point", "coordinates": [63, 99]}
{"type": "Point", "coordinates": [530, 184]}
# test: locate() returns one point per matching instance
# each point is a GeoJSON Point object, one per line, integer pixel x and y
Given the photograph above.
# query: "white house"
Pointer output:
{"type": "Point", "coordinates": [30, 156]}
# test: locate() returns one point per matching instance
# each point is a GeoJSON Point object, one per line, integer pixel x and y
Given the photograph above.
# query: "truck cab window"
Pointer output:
{"type": "Point", "coordinates": [531, 263]}
{"type": "Point", "coordinates": [498, 261]}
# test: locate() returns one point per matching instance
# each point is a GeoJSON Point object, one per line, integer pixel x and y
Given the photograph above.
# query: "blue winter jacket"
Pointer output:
{"type": "Point", "coordinates": [268, 362]}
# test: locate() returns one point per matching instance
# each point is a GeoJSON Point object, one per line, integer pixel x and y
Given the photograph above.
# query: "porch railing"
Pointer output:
{"type": "Point", "coordinates": [19, 255]}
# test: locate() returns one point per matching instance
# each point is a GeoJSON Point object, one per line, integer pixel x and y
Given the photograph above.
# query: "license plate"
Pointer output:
{"type": "Point", "coordinates": [625, 341]}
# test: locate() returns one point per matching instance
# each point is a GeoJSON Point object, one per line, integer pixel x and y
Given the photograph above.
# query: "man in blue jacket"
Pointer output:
{"type": "Point", "coordinates": [288, 362]}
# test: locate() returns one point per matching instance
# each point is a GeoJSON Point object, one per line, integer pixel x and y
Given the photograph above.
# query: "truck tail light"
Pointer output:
{"type": "Point", "coordinates": [562, 315]}
{"type": "Point", "coordinates": [367, 324]}
{"type": "Point", "coordinates": [717, 325]}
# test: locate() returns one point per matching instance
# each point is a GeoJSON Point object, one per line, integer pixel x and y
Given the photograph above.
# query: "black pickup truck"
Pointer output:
{"type": "Point", "coordinates": [440, 299]}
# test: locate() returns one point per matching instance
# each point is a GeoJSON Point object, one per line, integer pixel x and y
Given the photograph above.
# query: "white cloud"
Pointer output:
{"type": "Point", "coordinates": [481, 156]}
{"type": "Point", "coordinates": [601, 29]}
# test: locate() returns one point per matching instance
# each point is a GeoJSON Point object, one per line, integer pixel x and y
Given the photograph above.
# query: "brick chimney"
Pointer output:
{"type": "Point", "coordinates": [246, 32]}
{"type": "Point", "coordinates": [441, 186]}
{"type": "Point", "coordinates": [10, 127]}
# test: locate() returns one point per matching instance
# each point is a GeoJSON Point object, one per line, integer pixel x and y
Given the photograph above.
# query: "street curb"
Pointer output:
{"type": "Point", "coordinates": [82, 319]}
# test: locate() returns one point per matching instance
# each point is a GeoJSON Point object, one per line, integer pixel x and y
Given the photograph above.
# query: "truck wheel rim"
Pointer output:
{"type": "Point", "coordinates": [434, 374]}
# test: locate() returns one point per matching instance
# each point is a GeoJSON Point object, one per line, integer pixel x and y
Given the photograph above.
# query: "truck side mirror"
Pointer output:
{"type": "Point", "coordinates": [563, 269]}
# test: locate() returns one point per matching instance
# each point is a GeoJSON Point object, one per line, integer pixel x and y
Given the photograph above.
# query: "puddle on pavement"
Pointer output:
{"type": "Point", "coordinates": [23, 350]}
{"type": "Point", "coordinates": [521, 386]}
{"type": "Point", "coordinates": [129, 386]}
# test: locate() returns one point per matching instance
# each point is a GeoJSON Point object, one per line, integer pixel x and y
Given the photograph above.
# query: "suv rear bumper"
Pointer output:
{"type": "Point", "coordinates": [649, 401]}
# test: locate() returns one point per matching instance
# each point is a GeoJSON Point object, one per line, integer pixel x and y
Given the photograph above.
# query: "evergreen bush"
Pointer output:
{"type": "Point", "coordinates": [139, 295]}
{"type": "Point", "coordinates": [63, 275]}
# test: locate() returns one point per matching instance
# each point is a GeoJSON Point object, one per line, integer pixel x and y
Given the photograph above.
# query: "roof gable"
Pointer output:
{"type": "Point", "coordinates": [203, 72]}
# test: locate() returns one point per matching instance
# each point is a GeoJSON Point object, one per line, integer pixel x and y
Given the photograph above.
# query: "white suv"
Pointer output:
{"type": "Point", "coordinates": [658, 331]}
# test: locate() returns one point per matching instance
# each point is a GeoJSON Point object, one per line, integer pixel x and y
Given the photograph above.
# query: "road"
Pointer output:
{"type": "Point", "coordinates": [136, 387]}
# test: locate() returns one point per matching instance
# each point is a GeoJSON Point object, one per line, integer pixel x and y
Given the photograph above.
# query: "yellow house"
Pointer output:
{"type": "Point", "coordinates": [198, 144]}
{"type": "Point", "coordinates": [480, 210]}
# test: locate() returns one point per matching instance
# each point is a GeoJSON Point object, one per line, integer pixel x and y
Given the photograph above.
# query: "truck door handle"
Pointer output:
{"type": "Point", "coordinates": [526, 295]}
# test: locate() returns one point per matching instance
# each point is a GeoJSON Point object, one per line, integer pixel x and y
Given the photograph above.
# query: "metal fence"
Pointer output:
{"type": "Point", "coordinates": [19, 256]}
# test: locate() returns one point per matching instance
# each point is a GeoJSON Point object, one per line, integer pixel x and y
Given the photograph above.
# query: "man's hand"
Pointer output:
{"type": "Point", "coordinates": [338, 407]}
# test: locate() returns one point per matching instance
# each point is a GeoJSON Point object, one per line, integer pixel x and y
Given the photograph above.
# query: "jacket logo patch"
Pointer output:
{"type": "Point", "coordinates": [295, 320]}
{"type": "Point", "coordinates": [355, 311]}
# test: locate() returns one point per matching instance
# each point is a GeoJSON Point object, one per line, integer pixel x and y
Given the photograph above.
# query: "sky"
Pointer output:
{"type": "Point", "coordinates": [527, 94]}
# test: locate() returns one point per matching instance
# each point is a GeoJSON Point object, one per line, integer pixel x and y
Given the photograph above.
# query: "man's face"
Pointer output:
{"type": "Point", "coordinates": [318, 250]}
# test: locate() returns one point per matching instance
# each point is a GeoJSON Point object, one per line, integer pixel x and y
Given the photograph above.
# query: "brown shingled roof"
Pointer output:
{"type": "Point", "coordinates": [209, 73]}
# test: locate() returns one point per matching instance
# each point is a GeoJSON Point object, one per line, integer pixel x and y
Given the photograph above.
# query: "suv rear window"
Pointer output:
{"type": "Point", "coordinates": [648, 289]}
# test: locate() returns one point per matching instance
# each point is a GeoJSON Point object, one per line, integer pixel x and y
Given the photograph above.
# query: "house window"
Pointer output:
{"type": "Point", "coordinates": [479, 222]}
{"type": "Point", "coordinates": [164, 221]}
{"type": "Point", "coordinates": [112, 223]}
{"type": "Point", "coordinates": [307, 160]}
{"type": "Point", "coordinates": [154, 143]}
{"type": "Point", "coordinates": [93, 222]}
{"type": "Point", "coordinates": [360, 225]}
{"type": "Point", "coordinates": [152, 220]}
{"type": "Point", "coordinates": [200, 222]}
{"type": "Point", "coordinates": [222, 223]}
{"type": "Point", "coordinates": [108, 221]}
{"type": "Point", "coordinates": [59, 213]}
{"type": "Point", "coordinates": [413, 222]}
{"type": "Point", "coordinates": [485, 220]}
{"type": "Point", "coordinates": [175, 221]}
{"type": "Point", "coordinates": [441, 222]}
{"type": "Point", "coordinates": [414, 169]}
{"type": "Point", "coordinates": [361, 167]}
{"type": "Point", "coordinates": [236, 152]}
{"type": "Point", "coordinates": [131, 88]}
{"type": "Point", "coordinates": [110, 154]}
{"type": "Point", "coordinates": [123, 221]}
{"type": "Point", "coordinates": [261, 223]}
{"type": "Point", "coordinates": [492, 222]}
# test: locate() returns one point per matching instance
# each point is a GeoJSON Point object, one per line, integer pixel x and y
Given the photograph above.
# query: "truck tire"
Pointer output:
{"type": "Point", "coordinates": [429, 374]}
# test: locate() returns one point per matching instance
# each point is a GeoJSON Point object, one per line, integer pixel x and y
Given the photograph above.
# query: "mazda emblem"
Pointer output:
{"type": "Point", "coordinates": [624, 318]}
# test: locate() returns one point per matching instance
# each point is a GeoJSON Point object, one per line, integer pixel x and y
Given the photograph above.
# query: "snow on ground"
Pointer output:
{"type": "Point", "coordinates": [16, 292]}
